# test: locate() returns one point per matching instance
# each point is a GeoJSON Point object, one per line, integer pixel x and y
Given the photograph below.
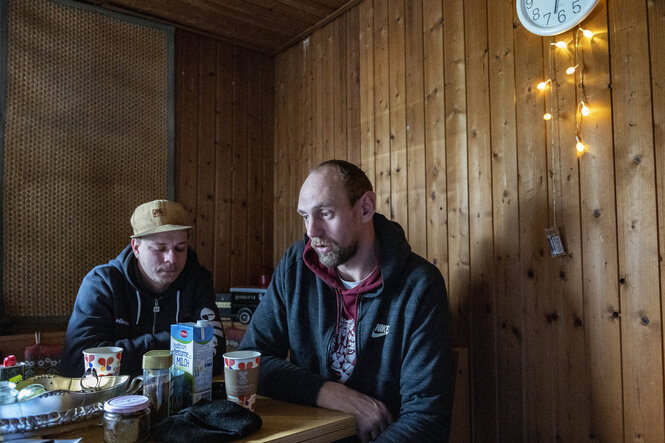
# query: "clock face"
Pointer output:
{"type": "Point", "coordinates": [552, 17]}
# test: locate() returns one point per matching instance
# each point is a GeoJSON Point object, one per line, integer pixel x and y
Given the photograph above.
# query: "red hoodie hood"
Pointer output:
{"type": "Point", "coordinates": [330, 277]}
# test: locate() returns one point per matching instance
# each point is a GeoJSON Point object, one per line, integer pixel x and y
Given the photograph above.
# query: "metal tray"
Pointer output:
{"type": "Point", "coordinates": [66, 401]}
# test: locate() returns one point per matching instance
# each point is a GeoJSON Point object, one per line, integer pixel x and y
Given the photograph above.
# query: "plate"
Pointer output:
{"type": "Point", "coordinates": [66, 401]}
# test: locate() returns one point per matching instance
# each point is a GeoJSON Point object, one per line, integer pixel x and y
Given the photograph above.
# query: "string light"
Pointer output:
{"type": "Point", "coordinates": [579, 146]}
{"type": "Point", "coordinates": [542, 85]}
{"type": "Point", "coordinates": [582, 107]}
{"type": "Point", "coordinates": [586, 32]}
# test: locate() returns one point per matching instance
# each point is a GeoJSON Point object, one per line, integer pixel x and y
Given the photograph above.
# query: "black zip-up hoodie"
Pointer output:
{"type": "Point", "coordinates": [112, 309]}
{"type": "Point", "coordinates": [402, 343]}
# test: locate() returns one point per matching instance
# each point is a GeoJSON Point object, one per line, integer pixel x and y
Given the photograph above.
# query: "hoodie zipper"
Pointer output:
{"type": "Point", "coordinates": [155, 310]}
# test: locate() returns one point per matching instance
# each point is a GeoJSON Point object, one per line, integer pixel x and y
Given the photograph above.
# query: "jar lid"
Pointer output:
{"type": "Point", "coordinates": [127, 403]}
{"type": "Point", "coordinates": [157, 359]}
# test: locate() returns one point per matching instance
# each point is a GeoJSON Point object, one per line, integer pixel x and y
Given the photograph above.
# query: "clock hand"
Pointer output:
{"type": "Point", "coordinates": [556, 6]}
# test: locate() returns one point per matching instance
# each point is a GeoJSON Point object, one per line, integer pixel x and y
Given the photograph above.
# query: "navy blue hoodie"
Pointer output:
{"type": "Point", "coordinates": [403, 351]}
{"type": "Point", "coordinates": [111, 309]}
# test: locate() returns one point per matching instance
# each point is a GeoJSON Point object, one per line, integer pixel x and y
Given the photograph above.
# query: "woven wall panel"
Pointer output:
{"type": "Point", "coordinates": [87, 138]}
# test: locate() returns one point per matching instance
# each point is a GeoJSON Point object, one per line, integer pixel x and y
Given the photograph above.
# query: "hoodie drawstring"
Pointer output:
{"type": "Point", "coordinates": [177, 310]}
{"type": "Point", "coordinates": [138, 312]}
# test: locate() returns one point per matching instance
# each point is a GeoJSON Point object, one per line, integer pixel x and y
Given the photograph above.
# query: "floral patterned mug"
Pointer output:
{"type": "Point", "coordinates": [105, 360]}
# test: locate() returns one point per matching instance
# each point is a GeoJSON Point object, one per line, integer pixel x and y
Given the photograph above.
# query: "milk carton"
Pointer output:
{"type": "Point", "coordinates": [192, 349]}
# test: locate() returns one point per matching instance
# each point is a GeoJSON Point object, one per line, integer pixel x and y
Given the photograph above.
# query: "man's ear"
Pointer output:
{"type": "Point", "coordinates": [368, 205]}
{"type": "Point", "coordinates": [135, 247]}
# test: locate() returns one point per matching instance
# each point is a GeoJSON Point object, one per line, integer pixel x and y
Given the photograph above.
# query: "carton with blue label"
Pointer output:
{"type": "Point", "coordinates": [192, 349]}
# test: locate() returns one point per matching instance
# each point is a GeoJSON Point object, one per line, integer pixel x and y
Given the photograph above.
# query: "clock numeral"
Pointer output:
{"type": "Point", "coordinates": [561, 16]}
{"type": "Point", "coordinates": [547, 16]}
{"type": "Point", "coordinates": [576, 6]}
{"type": "Point", "coordinates": [529, 4]}
{"type": "Point", "coordinates": [535, 14]}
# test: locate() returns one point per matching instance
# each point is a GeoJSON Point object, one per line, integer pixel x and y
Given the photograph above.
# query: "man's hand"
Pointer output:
{"type": "Point", "coordinates": [372, 416]}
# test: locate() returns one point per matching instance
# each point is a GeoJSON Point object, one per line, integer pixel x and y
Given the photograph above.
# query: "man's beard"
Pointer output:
{"type": "Point", "coordinates": [337, 255]}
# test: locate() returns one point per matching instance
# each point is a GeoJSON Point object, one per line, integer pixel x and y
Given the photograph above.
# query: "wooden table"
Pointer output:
{"type": "Point", "coordinates": [282, 422]}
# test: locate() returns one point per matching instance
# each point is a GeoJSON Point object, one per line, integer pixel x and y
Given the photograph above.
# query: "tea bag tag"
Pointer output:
{"type": "Point", "coordinates": [556, 244]}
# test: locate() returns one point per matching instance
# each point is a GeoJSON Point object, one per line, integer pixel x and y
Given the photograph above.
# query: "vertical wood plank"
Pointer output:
{"type": "Point", "coordinates": [506, 284]}
{"type": "Point", "coordinates": [255, 176]}
{"type": "Point", "coordinates": [205, 206]}
{"type": "Point", "coordinates": [366, 67]}
{"type": "Point", "coordinates": [539, 326]}
{"type": "Point", "coordinates": [381, 107]}
{"type": "Point", "coordinates": [240, 168]}
{"type": "Point", "coordinates": [415, 128]}
{"type": "Point", "coordinates": [187, 116]}
{"type": "Point", "coordinates": [339, 87]}
{"type": "Point", "coordinates": [352, 112]}
{"type": "Point", "coordinates": [483, 305]}
{"type": "Point", "coordinates": [281, 161]}
{"type": "Point", "coordinates": [318, 93]}
{"type": "Point", "coordinates": [399, 201]}
{"type": "Point", "coordinates": [599, 233]}
{"type": "Point", "coordinates": [457, 195]}
{"type": "Point", "coordinates": [328, 90]}
{"type": "Point", "coordinates": [296, 61]}
{"type": "Point", "coordinates": [305, 133]}
{"type": "Point", "coordinates": [223, 162]}
{"type": "Point", "coordinates": [268, 123]}
{"type": "Point", "coordinates": [435, 137]}
{"type": "Point", "coordinates": [572, 391]}
{"type": "Point", "coordinates": [656, 11]}
{"type": "Point", "coordinates": [636, 222]}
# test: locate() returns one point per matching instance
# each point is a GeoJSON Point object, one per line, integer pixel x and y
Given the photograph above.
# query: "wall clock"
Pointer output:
{"type": "Point", "coordinates": [552, 17]}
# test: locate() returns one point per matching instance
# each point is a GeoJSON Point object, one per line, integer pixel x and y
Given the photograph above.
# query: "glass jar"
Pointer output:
{"type": "Point", "coordinates": [127, 419]}
{"type": "Point", "coordinates": [157, 383]}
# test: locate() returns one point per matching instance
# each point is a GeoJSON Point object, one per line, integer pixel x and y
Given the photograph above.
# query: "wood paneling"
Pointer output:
{"type": "Point", "coordinates": [451, 134]}
{"type": "Point", "coordinates": [224, 155]}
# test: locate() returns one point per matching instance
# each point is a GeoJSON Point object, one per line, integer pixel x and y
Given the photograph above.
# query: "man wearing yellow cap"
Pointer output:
{"type": "Point", "coordinates": [132, 301]}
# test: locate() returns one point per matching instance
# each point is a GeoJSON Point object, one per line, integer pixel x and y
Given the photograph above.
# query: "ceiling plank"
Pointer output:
{"type": "Point", "coordinates": [312, 7]}
{"type": "Point", "coordinates": [195, 17]}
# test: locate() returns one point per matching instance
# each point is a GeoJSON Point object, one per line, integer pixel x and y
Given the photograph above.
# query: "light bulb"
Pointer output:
{"type": "Point", "coordinates": [585, 111]}
{"type": "Point", "coordinates": [547, 116]}
{"type": "Point", "coordinates": [560, 44]}
{"type": "Point", "coordinates": [571, 70]}
{"type": "Point", "coordinates": [579, 146]}
{"type": "Point", "coordinates": [586, 33]}
{"type": "Point", "coordinates": [543, 85]}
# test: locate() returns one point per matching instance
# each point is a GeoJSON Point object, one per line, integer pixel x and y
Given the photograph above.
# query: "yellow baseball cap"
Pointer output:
{"type": "Point", "coordinates": [159, 216]}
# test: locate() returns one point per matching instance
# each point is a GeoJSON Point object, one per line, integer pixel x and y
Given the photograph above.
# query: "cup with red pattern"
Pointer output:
{"type": "Point", "coordinates": [105, 360]}
{"type": "Point", "coordinates": [241, 377]}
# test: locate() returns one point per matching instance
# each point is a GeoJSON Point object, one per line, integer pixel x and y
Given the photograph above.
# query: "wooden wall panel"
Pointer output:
{"type": "Point", "coordinates": [415, 127]}
{"type": "Point", "coordinates": [602, 321]}
{"type": "Point", "coordinates": [457, 194]}
{"type": "Point", "coordinates": [540, 321]}
{"type": "Point", "coordinates": [482, 303]}
{"type": "Point", "coordinates": [641, 331]}
{"type": "Point", "coordinates": [435, 137]}
{"type": "Point", "coordinates": [450, 131]}
{"type": "Point", "coordinates": [223, 164]}
{"type": "Point", "coordinates": [224, 120]}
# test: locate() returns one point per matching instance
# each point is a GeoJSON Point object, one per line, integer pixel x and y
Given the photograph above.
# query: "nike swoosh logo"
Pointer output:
{"type": "Point", "coordinates": [378, 334]}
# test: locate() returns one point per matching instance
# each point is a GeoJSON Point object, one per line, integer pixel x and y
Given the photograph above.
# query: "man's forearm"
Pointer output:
{"type": "Point", "coordinates": [372, 416]}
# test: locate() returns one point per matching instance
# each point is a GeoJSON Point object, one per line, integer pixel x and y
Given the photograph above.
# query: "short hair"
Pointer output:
{"type": "Point", "coordinates": [354, 179]}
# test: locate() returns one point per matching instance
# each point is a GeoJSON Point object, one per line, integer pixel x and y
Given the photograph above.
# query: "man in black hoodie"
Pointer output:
{"type": "Point", "coordinates": [363, 318]}
{"type": "Point", "coordinates": [132, 301]}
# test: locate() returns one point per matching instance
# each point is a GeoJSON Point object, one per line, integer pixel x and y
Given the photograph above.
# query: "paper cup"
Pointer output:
{"type": "Point", "coordinates": [105, 360]}
{"type": "Point", "coordinates": [241, 377]}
